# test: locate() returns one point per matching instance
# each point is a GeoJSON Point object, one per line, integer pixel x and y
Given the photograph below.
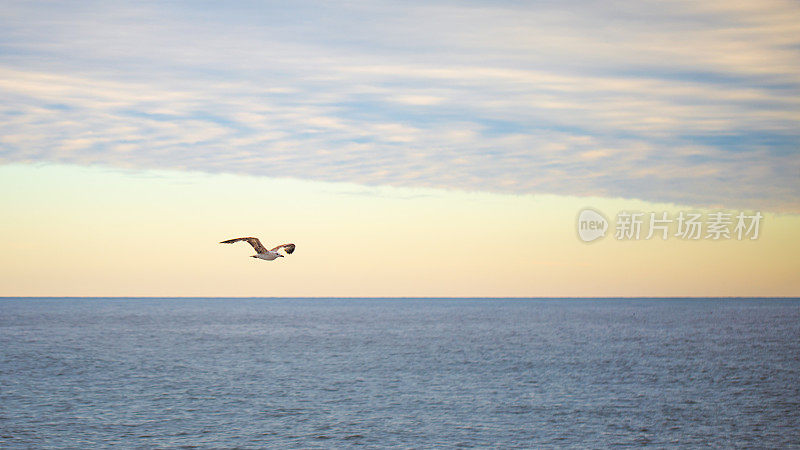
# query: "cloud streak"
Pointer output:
{"type": "Point", "coordinates": [671, 101]}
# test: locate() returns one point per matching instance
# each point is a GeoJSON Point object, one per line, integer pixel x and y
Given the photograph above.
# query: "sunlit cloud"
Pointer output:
{"type": "Point", "coordinates": [693, 103]}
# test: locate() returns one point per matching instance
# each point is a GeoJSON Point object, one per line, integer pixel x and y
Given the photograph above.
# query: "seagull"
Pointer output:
{"type": "Point", "coordinates": [263, 253]}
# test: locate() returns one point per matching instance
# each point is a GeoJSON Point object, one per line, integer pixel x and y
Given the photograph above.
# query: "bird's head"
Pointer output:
{"type": "Point", "coordinates": [280, 256]}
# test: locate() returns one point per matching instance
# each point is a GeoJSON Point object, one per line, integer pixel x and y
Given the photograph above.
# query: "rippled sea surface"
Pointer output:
{"type": "Point", "coordinates": [311, 373]}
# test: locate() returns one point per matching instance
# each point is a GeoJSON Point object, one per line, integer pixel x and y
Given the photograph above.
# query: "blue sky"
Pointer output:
{"type": "Point", "coordinates": [695, 103]}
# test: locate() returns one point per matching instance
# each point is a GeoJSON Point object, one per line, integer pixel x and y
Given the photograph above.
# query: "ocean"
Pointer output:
{"type": "Point", "coordinates": [407, 373]}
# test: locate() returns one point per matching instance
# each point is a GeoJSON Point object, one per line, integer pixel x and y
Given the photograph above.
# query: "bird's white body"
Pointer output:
{"type": "Point", "coordinates": [269, 256]}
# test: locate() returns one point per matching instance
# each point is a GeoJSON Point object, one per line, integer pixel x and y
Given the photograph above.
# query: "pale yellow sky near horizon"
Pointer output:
{"type": "Point", "coordinates": [95, 231]}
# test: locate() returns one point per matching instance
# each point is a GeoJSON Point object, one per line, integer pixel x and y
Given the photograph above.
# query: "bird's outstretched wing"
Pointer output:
{"type": "Point", "coordinates": [289, 248]}
{"type": "Point", "coordinates": [250, 240]}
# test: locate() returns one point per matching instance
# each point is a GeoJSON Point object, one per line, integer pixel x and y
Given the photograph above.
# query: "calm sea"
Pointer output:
{"type": "Point", "coordinates": [254, 373]}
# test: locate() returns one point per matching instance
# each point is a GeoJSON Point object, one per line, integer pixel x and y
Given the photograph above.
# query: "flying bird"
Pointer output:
{"type": "Point", "coordinates": [262, 252]}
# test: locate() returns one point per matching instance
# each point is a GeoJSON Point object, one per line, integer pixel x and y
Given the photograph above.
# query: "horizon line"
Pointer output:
{"type": "Point", "coordinates": [408, 298]}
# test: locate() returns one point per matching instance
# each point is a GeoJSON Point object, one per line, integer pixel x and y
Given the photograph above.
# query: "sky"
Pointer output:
{"type": "Point", "coordinates": [408, 148]}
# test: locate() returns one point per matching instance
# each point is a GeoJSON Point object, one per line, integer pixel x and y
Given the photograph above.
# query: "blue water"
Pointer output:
{"type": "Point", "coordinates": [253, 373]}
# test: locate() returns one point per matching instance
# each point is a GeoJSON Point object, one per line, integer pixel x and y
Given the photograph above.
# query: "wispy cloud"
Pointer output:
{"type": "Point", "coordinates": [670, 101]}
